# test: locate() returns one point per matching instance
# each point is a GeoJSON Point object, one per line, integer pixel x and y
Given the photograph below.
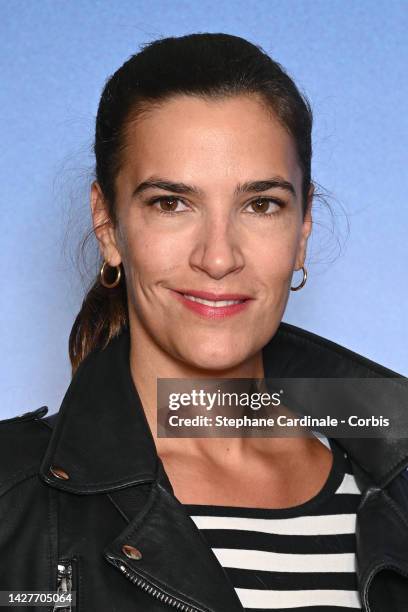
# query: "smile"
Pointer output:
{"type": "Point", "coordinates": [215, 304]}
{"type": "Point", "coordinates": [212, 309]}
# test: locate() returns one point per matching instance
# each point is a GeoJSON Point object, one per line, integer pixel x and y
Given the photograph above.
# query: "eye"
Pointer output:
{"type": "Point", "coordinates": [170, 203]}
{"type": "Point", "coordinates": [261, 206]}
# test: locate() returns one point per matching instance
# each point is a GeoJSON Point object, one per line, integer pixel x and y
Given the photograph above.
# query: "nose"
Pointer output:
{"type": "Point", "coordinates": [217, 249]}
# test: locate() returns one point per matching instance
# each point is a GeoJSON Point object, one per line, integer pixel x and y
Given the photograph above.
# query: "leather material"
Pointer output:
{"type": "Point", "coordinates": [118, 493]}
{"type": "Point", "coordinates": [164, 533]}
{"type": "Point", "coordinates": [382, 545]}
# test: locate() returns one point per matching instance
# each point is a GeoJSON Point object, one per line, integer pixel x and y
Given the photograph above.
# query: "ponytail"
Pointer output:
{"type": "Point", "coordinates": [103, 315]}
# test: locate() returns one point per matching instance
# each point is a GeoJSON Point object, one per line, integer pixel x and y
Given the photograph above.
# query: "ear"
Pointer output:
{"type": "Point", "coordinates": [306, 230]}
{"type": "Point", "coordinates": [103, 227]}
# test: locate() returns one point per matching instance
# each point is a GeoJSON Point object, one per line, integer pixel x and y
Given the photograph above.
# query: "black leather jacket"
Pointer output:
{"type": "Point", "coordinates": [85, 502]}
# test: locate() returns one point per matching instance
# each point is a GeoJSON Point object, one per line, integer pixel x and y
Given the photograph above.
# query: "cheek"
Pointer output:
{"type": "Point", "coordinates": [151, 256]}
{"type": "Point", "coordinates": [273, 255]}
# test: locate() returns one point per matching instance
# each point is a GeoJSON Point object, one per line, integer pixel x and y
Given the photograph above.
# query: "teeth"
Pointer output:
{"type": "Point", "coordinates": [217, 304]}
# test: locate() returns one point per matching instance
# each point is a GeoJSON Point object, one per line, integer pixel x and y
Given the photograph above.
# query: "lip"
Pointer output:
{"type": "Point", "coordinates": [215, 297]}
{"type": "Point", "coordinates": [213, 312]}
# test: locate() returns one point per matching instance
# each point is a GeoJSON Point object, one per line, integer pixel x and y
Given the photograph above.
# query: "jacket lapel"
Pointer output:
{"type": "Point", "coordinates": [176, 563]}
{"type": "Point", "coordinates": [101, 439]}
{"type": "Point", "coordinates": [297, 353]}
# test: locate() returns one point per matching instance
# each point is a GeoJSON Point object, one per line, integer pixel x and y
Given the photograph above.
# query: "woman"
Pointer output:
{"type": "Point", "coordinates": [202, 209]}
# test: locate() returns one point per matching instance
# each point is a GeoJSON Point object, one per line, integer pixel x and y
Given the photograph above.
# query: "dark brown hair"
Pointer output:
{"type": "Point", "coordinates": [209, 65]}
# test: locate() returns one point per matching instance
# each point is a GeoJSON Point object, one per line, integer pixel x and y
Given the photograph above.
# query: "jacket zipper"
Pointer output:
{"type": "Point", "coordinates": [64, 585]}
{"type": "Point", "coordinates": [178, 604]}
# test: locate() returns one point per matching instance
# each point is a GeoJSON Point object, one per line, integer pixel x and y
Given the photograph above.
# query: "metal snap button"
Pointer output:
{"type": "Point", "coordinates": [59, 472]}
{"type": "Point", "coordinates": [131, 552]}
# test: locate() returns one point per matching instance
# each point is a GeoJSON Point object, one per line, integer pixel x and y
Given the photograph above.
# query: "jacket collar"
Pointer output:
{"type": "Point", "coordinates": [102, 439]}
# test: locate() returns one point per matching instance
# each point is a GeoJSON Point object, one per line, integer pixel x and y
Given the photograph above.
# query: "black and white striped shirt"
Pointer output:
{"type": "Point", "coordinates": [300, 558]}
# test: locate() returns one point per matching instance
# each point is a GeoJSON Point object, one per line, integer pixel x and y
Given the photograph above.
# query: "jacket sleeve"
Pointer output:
{"type": "Point", "coordinates": [25, 544]}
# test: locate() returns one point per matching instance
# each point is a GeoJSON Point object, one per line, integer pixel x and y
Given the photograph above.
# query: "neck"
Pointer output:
{"type": "Point", "coordinates": [148, 362]}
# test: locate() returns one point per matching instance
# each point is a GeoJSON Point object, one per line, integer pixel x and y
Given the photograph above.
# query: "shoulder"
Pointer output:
{"type": "Point", "coordinates": [327, 357]}
{"type": "Point", "coordinates": [23, 442]}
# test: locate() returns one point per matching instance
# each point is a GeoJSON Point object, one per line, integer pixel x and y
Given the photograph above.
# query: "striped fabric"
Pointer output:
{"type": "Point", "coordinates": [300, 558]}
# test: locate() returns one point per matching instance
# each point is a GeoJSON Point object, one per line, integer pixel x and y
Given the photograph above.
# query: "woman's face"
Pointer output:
{"type": "Point", "coordinates": [212, 231]}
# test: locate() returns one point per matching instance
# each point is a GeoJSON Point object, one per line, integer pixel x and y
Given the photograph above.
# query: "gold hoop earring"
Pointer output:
{"type": "Point", "coordinates": [303, 280]}
{"type": "Point", "coordinates": [102, 277]}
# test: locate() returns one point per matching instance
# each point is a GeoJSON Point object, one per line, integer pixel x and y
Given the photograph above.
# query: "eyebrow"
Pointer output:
{"type": "Point", "coordinates": [276, 182]}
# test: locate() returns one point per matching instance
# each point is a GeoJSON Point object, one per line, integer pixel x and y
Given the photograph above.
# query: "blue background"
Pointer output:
{"type": "Point", "coordinates": [351, 60]}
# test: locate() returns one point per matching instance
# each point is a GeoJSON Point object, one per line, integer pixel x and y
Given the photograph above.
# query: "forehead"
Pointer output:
{"type": "Point", "coordinates": [188, 137]}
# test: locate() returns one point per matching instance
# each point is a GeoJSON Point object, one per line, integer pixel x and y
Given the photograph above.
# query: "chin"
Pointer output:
{"type": "Point", "coordinates": [215, 361]}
